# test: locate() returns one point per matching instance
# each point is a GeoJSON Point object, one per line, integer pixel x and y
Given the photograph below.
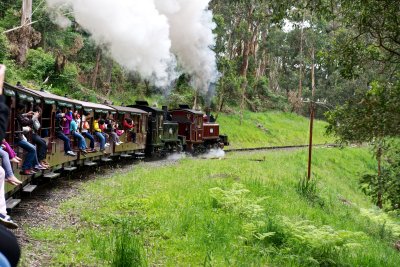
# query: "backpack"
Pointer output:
{"type": "Point", "coordinates": [86, 125]}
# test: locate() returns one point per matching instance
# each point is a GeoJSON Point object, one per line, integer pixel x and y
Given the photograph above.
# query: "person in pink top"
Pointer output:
{"type": "Point", "coordinates": [67, 122]}
{"type": "Point", "coordinates": [11, 153]}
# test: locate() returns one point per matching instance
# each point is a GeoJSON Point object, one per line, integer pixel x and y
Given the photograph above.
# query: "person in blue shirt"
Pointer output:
{"type": "Point", "coordinates": [74, 128]}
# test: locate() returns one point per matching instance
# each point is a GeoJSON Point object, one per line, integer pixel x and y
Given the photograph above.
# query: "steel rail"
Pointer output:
{"type": "Point", "coordinates": [276, 148]}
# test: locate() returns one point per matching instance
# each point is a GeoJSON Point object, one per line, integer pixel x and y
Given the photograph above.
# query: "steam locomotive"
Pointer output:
{"type": "Point", "coordinates": [157, 132]}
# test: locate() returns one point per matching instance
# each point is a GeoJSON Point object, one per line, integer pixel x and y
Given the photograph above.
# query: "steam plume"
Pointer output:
{"type": "Point", "coordinates": [156, 38]}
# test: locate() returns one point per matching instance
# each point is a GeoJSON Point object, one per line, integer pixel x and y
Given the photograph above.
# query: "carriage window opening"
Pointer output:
{"type": "Point", "coordinates": [143, 126]}
{"type": "Point", "coordinates": [46, 120]}
{"type": "Point", "coordinates": [161, 120]}
{"type": "Point", "coordinates": [136, 122]}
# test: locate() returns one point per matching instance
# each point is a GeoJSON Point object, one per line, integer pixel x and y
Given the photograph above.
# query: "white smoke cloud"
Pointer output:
{"type": "Point", "coordinates": [151, 37]}
{"type": "Point", "coordinates": [135, 33]}
{"type": "Point", "coordinates": [192, 38]}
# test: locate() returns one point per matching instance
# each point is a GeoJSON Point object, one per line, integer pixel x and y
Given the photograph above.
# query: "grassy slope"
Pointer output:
{"type": "Point", "coordinates": [282, 129]}
{"type": "Point", "coordinates": [170, 210]}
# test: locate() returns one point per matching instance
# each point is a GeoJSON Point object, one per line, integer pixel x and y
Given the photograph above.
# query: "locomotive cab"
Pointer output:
{"type": "Point", "coordinates": [162, 134]}
{"type": "Point", "coordinates": [200, 133]}
{"type": "Point", "coordinates": [190, 126]}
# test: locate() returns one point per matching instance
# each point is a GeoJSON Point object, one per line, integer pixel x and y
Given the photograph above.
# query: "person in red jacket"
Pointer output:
{"type": "Point", "coordinates": [130, 127]}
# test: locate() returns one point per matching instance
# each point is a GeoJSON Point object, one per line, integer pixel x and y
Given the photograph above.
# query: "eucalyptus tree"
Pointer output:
{"type": "Point", "coordinates": [244, 31]}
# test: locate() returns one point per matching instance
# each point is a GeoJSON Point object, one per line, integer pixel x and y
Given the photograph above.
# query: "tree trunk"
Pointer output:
{"type": "Point", "coordinates": [96, 68]}
{"type": "Point", "coordinates": [300, 92]}
{"type": "Point", "coordinates": [260, 71]}
{"type": "Point", "coordinates": [245, 65]}
{"type": "Point", "coordinates": [313, 71]}
{"type": "Point", "coordinates": [242, 102]}
{"type": "Point", "coordinates": [379, 202]}
{"type": "Point", "coordinates": [25, 31]}
{"type": "Point", "coordinates": [60, 62]}
{"type": "Point", "coordinates": [107, 81]}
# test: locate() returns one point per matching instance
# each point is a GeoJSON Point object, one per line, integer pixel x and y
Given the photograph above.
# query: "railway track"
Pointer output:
{"type": "Point", "coordinates": [276, 148]}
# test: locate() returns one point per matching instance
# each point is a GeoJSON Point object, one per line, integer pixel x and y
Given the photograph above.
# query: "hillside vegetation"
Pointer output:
{"type": "Point", "coordinates": [270, 129]}
{"type": "Point", "coordinates": [244, 210]}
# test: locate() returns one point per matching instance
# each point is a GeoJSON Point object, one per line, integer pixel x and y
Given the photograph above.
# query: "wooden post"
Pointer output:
{"type": "Point", "coordinates": [310, 141]}
{"type": "Point", "coordinates": [312, 111]}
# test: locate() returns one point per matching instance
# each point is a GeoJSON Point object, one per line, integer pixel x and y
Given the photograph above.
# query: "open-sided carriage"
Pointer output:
{"type": "Point", "coordinates": [56, 156]}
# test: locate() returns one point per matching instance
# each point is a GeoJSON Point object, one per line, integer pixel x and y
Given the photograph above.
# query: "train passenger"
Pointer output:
{"type": "Point", "coordinates": [85, 130]}
{"type": "Point", "coordinates": [10, 251]}
{"type": "Point", "coordinates": [41, 146]}
{"type": "Point", "coordinates": [60, 118]}
{"type": "Point", "coordinates": [74, 128]}
{"type": "Point", "coordinates": [4, 218]}
{"type": "Point", "coordinates": [99, 133]}
{"type": "Point", "coordinates": [6, 164]}
{"type": "Point", "coordinates": [11, 153]}
{"type": "Point", "coordinates": [111, 128]}
{"type": "Point", "coordinates": [130, 127]}
{"type": "Point", "coordinates": [31, 163]}
{"type": "Point", "coordinates": [103, 126]}
{"type": "Point", "coordinates": [67, 122]}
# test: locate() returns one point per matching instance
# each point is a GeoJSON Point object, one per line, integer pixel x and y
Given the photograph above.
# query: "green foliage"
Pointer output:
{"type": "Point", "coordinates": [386, 185]}
{"type": "Point", "coordinates": [369, 116]}
{"type": "Point", "coordinates": [372, 117]}
{"type": "Point", "coordinates": [40, 64]}
{"type": "Point", "coordinates": [237, 201]}
{"type": "Point", "coordinates": [390, 228]}
{"type": "Point", "coordinates": [373, 29]}
{"type": "Point", "coordinates": [3, 46]}
{"type": "Point", "coordinates": [129, 251]}
{"type": "Point", "coordinates": [309, 190]}
{"type": "Point", "coordinates": [67, 79]}
{"type": "Point", "coordinates": [323, 245]}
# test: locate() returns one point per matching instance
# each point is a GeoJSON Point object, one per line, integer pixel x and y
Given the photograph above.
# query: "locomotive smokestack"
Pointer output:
{"type": "Point", "coordinates": [165, 109]}
{"type": "Point", "coordinates": [208, 113]}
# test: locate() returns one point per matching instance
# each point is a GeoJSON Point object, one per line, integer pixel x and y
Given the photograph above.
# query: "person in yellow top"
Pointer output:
{"type": "Point", "coordinates": [98, 126]}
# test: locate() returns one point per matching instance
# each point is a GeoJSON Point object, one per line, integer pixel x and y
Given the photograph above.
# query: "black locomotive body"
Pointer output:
{"type": "Point", "coordinates": [162, 133]}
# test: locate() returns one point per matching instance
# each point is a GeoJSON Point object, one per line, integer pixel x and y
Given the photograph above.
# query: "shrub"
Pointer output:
{"type": "Point", "coordinates": [67, 79]}
{"type": "Point", "coordinates": [121, 247]}
{"type": "Point", "coordinates": [309, 190]}
{"type": "Point", "coordinates": [237, 201]}
{"type": "Point", "coordinates": [40, 64]}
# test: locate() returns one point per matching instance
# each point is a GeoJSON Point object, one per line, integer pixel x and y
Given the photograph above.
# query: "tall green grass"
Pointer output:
{"type": "Point", "coordinates": [270, 129]}
{"type": "Point", "coordinates": [244, 210]}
